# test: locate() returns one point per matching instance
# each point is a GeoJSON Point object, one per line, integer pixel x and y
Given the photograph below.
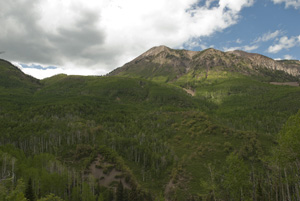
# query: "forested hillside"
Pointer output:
{"type": "Point", "coordinates": [214, 134]}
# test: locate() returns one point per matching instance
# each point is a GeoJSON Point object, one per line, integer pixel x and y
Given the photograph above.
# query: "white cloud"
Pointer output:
{"type": "Point", "coordinates": [245, 48]}
{"type": "Point", "coordinates": [284, 43]}
{"type": "Point", "coordinates": [44, 73]}
{"type": "Point", "coordinates": [227, 49]}
{"type": "Point", "coordinates": [250, 48]}
{"type": "Point", "coordinates": [93, 35]}
{"type": "Point", "coordinates": [289, 57]}
{"type": "Point", "coordinates": [268, 36]}
{"type": "Point", "coordinates": [289, 3]}
{"type": "Point", "coordinates": [238, 41]}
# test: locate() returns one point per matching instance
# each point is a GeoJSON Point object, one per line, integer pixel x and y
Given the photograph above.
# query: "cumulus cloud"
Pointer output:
{"type": "Point", "coordinates": [245, 48]}
{"type": "Point", "coordinates": [268, 36]}
{"type": "Point", "coordinates": [289, 3]}
{"type": "Point", "coordinates": [288, 57]}
{"type": "Point", "coordinates": [93, 35]}
{"type": "Point", "coordinates": [250, 48]}
{"type": "Point", "coordinates": [284, 43]}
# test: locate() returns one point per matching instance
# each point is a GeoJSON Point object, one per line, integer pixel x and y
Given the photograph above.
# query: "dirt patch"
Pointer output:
{"type": "Point", "coordinates": [293, 84]}
{"type": "Point", "coordinates": [170, 189]}
{"type": "Point", "coordinates": [189, 91]}
{"type": "Point", "coordinates": [106, 173]}
{"type": "Point", "coordinates": [179, 181]}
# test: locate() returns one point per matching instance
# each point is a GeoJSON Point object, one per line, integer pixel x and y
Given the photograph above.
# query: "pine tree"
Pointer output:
{"type": "Point", "coordinates": [29, 194]}
{"type": "Point", "coordinates": [133, 195]}
{"type": "Point", "coordinates": [125, 194]}
{"type": "Point", "coordinates": [100, 197]}
{"type": "Point", "coordinates": [120, 191]}
{"type": "Point", "coordinates": [51, 197]}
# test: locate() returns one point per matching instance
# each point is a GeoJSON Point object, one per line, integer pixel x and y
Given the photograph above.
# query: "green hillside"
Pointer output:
{"type": "Point", "coordinates": [132, 138]}
{"type": "Point", "coordinates": [15, 86]}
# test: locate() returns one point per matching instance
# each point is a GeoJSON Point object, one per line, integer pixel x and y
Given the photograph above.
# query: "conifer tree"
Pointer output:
{"type": "Point", "coordinates": [120, 191]}
{"type": "Point", "coordinates": [100, 197]}
{"type": "Point", "coordinates": [29, 194]}
{"type": "Point", "coordinates": [133, 195]}
{"type": "Point", "coordinates": [125, 194]}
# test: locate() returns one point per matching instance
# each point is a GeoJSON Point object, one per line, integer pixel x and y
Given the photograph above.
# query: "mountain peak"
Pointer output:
{"type": "Point", "coordinates": [212, 51]}
{"type": "Point", "coordinates": [156, 50]}
{"type": "Point", "coordinates": [170, 64]}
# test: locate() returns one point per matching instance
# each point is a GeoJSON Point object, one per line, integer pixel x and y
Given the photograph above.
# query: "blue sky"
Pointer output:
{"type": "Point", "coordinates": [93, 37]}
{"type": "Point", "coordinates": [264, 18]}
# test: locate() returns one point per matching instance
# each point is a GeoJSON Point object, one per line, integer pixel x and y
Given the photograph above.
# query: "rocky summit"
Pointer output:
{"type": "Point", "coordinates": [164, 61]}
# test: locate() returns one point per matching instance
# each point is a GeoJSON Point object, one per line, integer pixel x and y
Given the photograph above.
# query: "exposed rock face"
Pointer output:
{"type": "Point", "coordinates": [257, 60]}
{"type": "Point", "coordinates": [162, 61]}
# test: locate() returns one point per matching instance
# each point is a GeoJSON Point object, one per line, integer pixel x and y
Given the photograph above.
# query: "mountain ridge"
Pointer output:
{"type": "Point", "coordinates": [78, 136]}
{"type": "Point", "coordinates": [10, 73]}
{"type": "Point", "coordinates": [160, 60]}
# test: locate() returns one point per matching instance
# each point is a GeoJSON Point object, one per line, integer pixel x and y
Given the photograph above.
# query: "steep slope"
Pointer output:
{"type": "Point", "coordinates": [167, 65]}
{"type": "Point", "coordinates": [13, 77]}
{"type": "Point", "coordinates": [237, 82]}
{"type": "Point", "coordinates": [291, 65]}
{"type": "Point", "coordinates": [111, 91]}
{"type": "Point", "coordinates": [16, 88]}
{"type": "Point", "coordinates": [158, 63]}
{"type": "Point", "coordinates": [258, 61]}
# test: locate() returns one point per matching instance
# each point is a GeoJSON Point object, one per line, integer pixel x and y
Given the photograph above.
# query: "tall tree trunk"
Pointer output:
{"type": "Point", "coordinates": [276, 191]}
{"type": "Point", "coordinates": [297, 191]}
{"type": "Point", "coordinates": [253, 185]}
{"type": "Point", "coordinates": [297, 186]}
{"type": "Point", "coordinates": [282, 197]}
{"type": "Point", "coordinates": [212, 181]}
{"type": "Point", "coordinates": [287, 186]}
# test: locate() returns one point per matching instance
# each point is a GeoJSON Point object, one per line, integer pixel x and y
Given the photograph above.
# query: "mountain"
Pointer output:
{"type": "Point", "coordinates": [139, 135]}
{"type": "Point", "coordinates": [168, 65]}
{"type": "Point", "coordinates": [12, 77]}
{"type": "Point", "coordinates": [291, 67]}
{"type": "Point", "coordinates": [15, 86]}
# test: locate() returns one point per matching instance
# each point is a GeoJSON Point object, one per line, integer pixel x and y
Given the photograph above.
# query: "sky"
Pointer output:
{"type": "Point", "coordinates": [93, 37]}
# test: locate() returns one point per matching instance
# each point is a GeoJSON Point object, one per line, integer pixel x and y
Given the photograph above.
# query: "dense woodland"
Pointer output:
{"type": "Point", "coordinates": [77, 138]}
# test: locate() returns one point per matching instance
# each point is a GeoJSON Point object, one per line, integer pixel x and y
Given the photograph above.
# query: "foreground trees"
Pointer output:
{"type": "Point", "coordinates": [276, 177]}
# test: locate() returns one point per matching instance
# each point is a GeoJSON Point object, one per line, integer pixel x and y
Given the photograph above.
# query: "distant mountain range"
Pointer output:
{"type": "Point", "coordinates": [172, 64]}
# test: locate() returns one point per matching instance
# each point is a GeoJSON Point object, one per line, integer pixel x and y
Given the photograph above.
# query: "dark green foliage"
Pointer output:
{"type": "Point", "coordinates": [289, 140]}
{"type": "Point", "coordinates": [29, 193]}
{"type": "Point", "coordinates": [236, 180]}
{"type": "Point", "coordinates": [164, 143]}
{"type": "Point", "coordinates": [126, 195]}
{"type": "Point", "coordinates": [120, 192]}
{"type": "Point", "coordinates": [51, 197]}
{"type": "Point", "coordinates": [133, 195]}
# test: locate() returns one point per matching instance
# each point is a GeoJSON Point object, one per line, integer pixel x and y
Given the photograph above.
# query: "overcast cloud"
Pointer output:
{"type": "Point", "coordinates": [101, 35]}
